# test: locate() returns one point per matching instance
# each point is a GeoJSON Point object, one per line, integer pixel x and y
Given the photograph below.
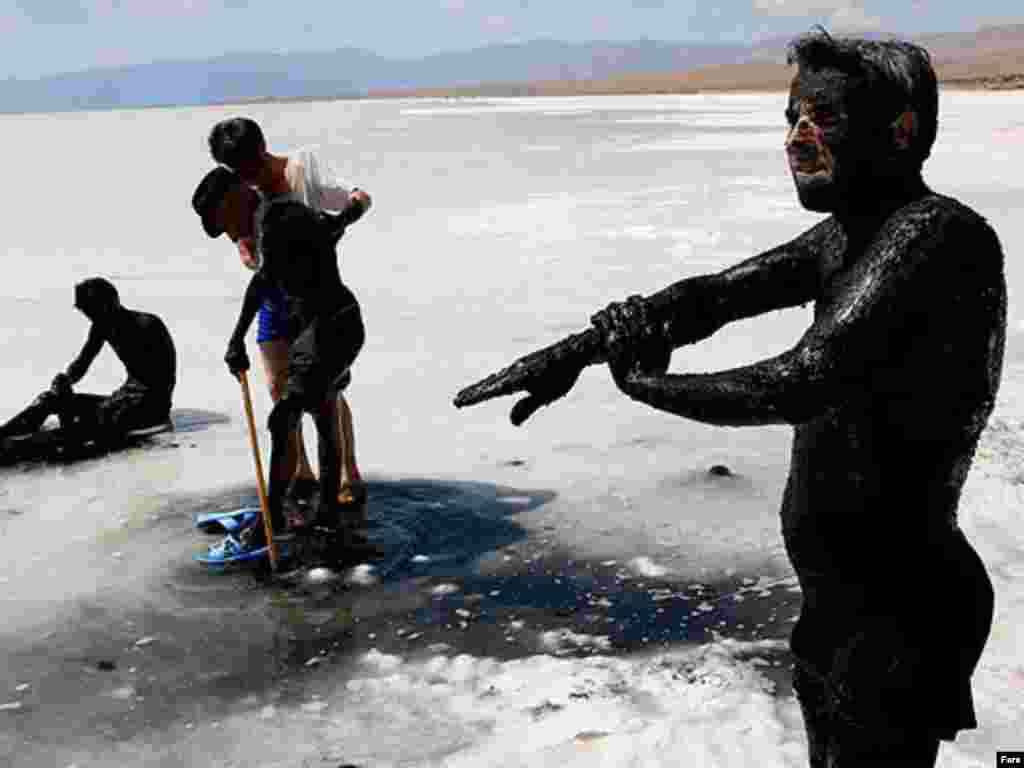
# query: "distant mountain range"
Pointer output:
{"type": "Point", "coordinates": [350, 72]}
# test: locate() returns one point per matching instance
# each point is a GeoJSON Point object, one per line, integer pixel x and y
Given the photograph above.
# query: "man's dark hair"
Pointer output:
{"type": "Point", "coordinates": [96, 296]}
{"type": "Point", "coordinates": [209, 194]}
{"type": "Point", "coordinates": [896, 76]}
{"type": "Point", "coordinates": [236, 141]}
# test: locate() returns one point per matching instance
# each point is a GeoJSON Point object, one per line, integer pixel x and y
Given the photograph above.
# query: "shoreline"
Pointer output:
{"type": "Point", "coordinates": [1000, 83]}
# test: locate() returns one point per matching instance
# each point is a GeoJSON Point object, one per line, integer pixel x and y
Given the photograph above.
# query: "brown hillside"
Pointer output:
{"type": "Point", "coordinates": [990, 57]}
{"type": "Point", "coordinates": [1004, 69]}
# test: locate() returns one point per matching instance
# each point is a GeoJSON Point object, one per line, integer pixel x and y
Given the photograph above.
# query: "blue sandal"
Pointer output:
{"type": "Point", "coordinates": [231, 550]}
{"type": "Point", "coordinates": [227, 522]}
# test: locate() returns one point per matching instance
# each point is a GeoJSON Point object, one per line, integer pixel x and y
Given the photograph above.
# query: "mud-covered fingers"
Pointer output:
{"type": "Point", "coordinates": [623, 321]}
{"type": "Point", "coordinates": [236, 358]}
{"type": "Point", "coordinates": [608, 323]}
{"type": "Point", "coordinates": [615, 329]}
{"type": "Point", "coordinates": [490, 388]}
{"type": "Point", "coordinates": [544, 390]}
{"type": "Point", "coordinates": [637, 320]}
{"type": "Point", "coordinates": [525, 408]}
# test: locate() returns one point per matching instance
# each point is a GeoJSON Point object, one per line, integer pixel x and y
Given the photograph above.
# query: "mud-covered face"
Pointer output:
{"type": "Point", "coordinates": [254, 172]}
{"type": "Point", "coordinates": [237, 211]}
{"type": "Point", "coordinates": [818, 143]}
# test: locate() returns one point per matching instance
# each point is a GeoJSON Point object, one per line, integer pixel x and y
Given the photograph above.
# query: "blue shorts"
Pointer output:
{"type": "Point", "coordinates": [273, 317]}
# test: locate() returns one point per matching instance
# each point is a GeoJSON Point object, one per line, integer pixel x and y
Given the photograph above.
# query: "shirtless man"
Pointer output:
{"type": "Point", "coordinates": [888, 392]}
{"type": "Point", "coordinates": [325, 328]}
{"type": "Point", "coordinates": [143, 344]}
{"type": "Point", "coordinates": [238, 143]}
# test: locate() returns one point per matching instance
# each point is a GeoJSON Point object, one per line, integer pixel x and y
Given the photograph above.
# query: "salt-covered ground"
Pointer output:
{"type": "Point", "coordinates": [578, 591]}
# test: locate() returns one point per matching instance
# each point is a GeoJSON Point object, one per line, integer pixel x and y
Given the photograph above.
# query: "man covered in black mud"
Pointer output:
{"type": "Point", "coordinates": [143, 344]}
{"type": "Point", "coordinates": [888, 391]}
{"type": "Point", "coordinates": [325, 327]}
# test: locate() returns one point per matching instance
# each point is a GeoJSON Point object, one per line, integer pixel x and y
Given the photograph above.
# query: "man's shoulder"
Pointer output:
{"type": "Point", "coordinates": [304, 156]}
{"type": "Point", "coordinates": [143, 318]}
{"type": "Point", "coordinates": [940, 212]}
{"type": "Point", "coordinates": [938, 229]}
{"type": "Point", "coordinates": [302, 162]}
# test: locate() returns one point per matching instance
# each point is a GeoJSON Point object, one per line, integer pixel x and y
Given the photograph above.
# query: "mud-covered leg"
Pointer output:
{"type": "Point", "coordinates": [352, 488]}
{"type": "Point", "coordinates": [32, 417]}
{"type": "Point", "coordinates": [327, 514]}
{"type": "Point", "coordinates": [283, 418]}
{"type": "Point", "coordinates": [81, 418]}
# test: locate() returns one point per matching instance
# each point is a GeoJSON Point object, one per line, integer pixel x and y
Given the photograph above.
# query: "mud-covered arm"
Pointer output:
{"type": "Point", "coordinates": [357, 204]}
{"type": "Point", "coordinates": [255, 293]}
{"type": "Point", "coordinates": [785, 276]}
{"type": "Point", "coordinates": [335, 224]}
{"type": "Point", "coordinates": [831, 362]}
{"type": "Point", "coordinates": [685, 312]}
{"type": "Point", "coordinates": [80, 365]}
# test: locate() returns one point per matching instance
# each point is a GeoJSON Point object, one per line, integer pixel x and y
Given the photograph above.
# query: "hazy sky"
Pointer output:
{"type": "Point", "coordinates": [47, 36]}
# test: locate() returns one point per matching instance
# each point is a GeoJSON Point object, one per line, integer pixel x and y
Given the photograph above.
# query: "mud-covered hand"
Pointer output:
{"type": "Point", "coordinates": [236, 358]}
{"type": "Point", "coordinates": [61, 385]}
{"type": "Point", "coordinates": [544, 390]}
{"type": "Point", "coordinates": [635, 342]}
{"type": "Point", "coordinates": [545, 375]}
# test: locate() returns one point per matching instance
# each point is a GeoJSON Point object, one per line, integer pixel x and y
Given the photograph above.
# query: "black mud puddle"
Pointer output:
{"type": "Point", "coordinates": [458, 574]}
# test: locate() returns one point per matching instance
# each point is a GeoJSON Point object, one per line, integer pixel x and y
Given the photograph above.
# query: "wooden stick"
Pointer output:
{"type": "Point", "coordinates": [261, 484]}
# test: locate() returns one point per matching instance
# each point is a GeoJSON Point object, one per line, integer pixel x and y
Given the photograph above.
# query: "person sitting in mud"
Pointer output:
{"type": "Point", "coordinates": [238, 143]}
{"type": "Point", "coordinates": [888, 390]}
{"type": "Point", "coordinates": [325, 327]}
{"type": "Point", "coordinates": [143, 344]}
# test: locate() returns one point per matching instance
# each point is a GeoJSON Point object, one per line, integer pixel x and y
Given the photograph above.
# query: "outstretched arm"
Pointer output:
{"type": "Point", "coordinates": [685, 312]}
{"type": "Point", "coordinates": [866, 327]}
{"type": "Point", "coordinates": [785, 276]}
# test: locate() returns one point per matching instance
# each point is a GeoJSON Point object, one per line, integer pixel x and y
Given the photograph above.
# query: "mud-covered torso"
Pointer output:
{"type": "Point", "coordinates": [300, 261]}
{"type": "Point", "coordinates": [314, 291]}
{"type": "Point", "coordinates": [875, 480]}
{"type": "Point", "coordinates": [144, 345]}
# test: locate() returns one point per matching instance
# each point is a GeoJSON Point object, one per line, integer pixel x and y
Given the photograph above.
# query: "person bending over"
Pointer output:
{"type": "Point", "coordinates": [325, 327]}
{"type": "Point", "coordinates": [239, 144]}
{"type": "Point", "coordinates": [144, 346]}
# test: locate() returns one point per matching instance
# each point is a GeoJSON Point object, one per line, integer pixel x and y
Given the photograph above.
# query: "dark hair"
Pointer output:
{"type": "Point", "coordinates": [96, 296]}
{"type": "Point", "coordinates": [209, 194]}
{"type": "Point", "coordinates": [897, 74]}
{"type": "Point", "coordinates": [236, 141]}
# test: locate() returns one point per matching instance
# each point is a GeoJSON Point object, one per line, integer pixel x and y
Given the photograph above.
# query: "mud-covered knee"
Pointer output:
{"type": "Point", "coordinates": [284, 417]}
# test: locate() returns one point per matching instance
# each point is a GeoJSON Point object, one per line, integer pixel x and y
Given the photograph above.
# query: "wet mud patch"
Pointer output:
{"type": "Point", "coordinates": [459, 574]}
{"type": "Point", "coordinates": [550, 602]}
{"type": "Point", "coordinates": [183, 643]}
